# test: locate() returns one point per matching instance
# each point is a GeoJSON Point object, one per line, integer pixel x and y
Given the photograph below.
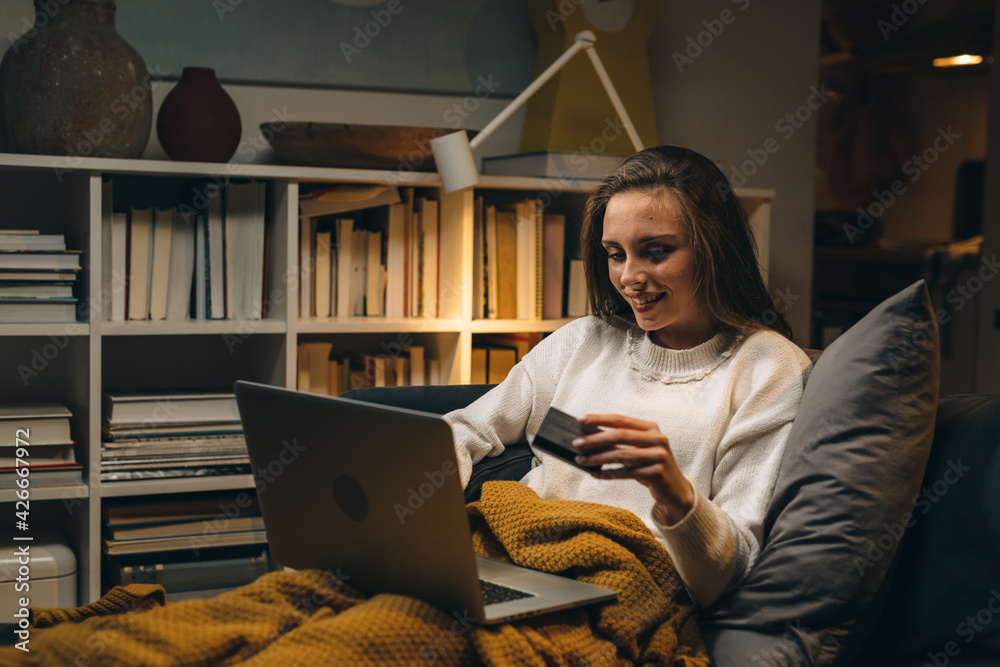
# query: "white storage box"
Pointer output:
{"type": "Point", "coordinates": [51, 577]}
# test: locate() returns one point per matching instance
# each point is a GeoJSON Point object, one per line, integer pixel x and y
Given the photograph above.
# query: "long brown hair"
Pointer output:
{"type": "Point", "coordinates": [727, 277]}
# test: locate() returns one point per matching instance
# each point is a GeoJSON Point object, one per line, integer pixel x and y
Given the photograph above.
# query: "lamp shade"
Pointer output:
{"type": "Point", "coordinates": [455, 161]}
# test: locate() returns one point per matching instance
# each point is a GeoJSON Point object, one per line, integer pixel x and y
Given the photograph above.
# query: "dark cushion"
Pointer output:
{"type": "Point", "coordinates": [852, 466]}
{"type": "Point", "coordinates": [943, 606]}
{"type": "Point", "coordinates": [512, 464]}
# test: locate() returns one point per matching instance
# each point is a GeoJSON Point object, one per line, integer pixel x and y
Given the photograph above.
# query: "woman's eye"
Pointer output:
{"type": "Point", "coordinates": [658, 252]}
{"type": "Point", "coordinates": [616, 256]}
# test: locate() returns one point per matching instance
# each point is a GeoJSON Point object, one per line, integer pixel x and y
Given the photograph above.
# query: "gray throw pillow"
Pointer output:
{"type": "Point", "coordinates": [851, 470]}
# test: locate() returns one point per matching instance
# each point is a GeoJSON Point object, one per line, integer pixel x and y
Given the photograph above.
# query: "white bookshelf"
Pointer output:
{"type": "Point", "coordinates": [63, 196]}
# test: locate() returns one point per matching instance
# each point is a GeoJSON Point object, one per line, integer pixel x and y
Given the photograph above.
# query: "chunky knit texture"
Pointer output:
{"type": "Point", "coordinates": [315, 618]}
{"type": "Point", "coordinates": [726, 407]}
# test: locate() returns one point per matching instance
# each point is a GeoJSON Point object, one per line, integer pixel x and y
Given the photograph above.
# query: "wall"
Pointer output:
{"type": "Point", "coordinates": [733, 97]}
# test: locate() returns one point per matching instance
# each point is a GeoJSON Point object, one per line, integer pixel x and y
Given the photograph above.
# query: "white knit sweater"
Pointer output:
{"type": "Point", "coordinates": [725, 406]}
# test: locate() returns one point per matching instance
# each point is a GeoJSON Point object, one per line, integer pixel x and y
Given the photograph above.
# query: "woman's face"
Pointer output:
{"type": "Point", "coordinates": [651, 263]}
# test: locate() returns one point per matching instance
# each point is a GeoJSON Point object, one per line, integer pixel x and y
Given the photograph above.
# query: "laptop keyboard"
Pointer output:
{"type": "Point", "coordinates": [496, 593]}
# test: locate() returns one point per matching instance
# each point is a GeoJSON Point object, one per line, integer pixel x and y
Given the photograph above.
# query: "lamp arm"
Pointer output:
{"type": "Point", "coordinates": [616, 101]}
{"type": "Point", "coordinates": [582, 42]}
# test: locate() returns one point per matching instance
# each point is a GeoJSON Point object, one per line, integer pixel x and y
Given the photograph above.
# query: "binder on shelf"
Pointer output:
{"type": "Point", "coordinates": [159, 281]}
{"type": "Point", "coordinates": [140, 251]}
{"type": "Point", "coordinates": [182, 260]}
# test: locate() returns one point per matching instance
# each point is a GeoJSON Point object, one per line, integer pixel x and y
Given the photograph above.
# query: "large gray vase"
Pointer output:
{"type": "Point", "coordinates": [72, 86]}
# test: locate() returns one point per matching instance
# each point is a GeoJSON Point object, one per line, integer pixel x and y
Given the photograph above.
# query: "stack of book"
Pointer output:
{"type": "Point", "coordinates": [194, 546]}
{"type": "Point", "coordinates": [494, 355]}
{"type": "Point", "coordinates": [521, 267]}
{"type": "Point", "coordinates": [381, 261]}
{"type": "Point", "coordinates": [182, 263]}
{"type": "Point", "coordinates": [182, 434]}
{"type": "Point", "coordinates": [37, 436]}
{"type": "Point", "coordinates": [37, 274]}
{"type": "Point", "coordinates": [322, 371]}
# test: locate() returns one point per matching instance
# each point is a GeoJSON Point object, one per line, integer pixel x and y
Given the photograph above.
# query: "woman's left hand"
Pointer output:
{"type": "Point", "coordinates": [645, 456]}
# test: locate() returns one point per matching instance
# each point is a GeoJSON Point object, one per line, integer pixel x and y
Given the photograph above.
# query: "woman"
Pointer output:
{"type": "Point", "coordinates": [686, 365]}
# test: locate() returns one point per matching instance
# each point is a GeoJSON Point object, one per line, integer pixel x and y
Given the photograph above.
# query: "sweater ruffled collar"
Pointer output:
{"type": "Point", "coordinates": [662, 364]}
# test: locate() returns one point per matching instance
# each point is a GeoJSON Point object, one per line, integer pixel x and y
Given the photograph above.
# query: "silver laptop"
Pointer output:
{"type": "Point", "coordinates": [372, 494]}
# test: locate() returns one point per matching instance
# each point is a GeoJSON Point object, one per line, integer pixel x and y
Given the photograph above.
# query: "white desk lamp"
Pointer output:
{"type": "Point", "coordinates": [453, 152]}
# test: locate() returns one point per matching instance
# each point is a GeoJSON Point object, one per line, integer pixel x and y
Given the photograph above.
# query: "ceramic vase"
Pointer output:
{"type": "Point", "coordinates": [198, 121]}
{"type": "Point", "coordinates": [72, 86]}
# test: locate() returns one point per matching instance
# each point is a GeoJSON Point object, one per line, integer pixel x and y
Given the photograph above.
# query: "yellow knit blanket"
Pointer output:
{"type": "Point", "coordinates": [313, 618]}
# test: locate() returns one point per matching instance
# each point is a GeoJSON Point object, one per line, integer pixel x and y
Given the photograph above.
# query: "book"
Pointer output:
{"type": "Point", "coordinates": [479, 363]}
{"type": "Point", "coordinates": [65, 474]}
{"type": "Point", "coordinates": [215, 265]}
{"type": "Point", "coordinates": [203, 541]}
{"type": "Point", "coordinates": [244, 240]}
{"type": "Point", "coordinates": [319, 366]}
{"type": "Point", "coordinates": [321, 276]}
{"type": "Point", "coordinates": [118, 260]}
{"type": "Point", "coordinates": [168, 429]}
{"type": "Point", "coordinates": [346, 295]}
{"type": "Point", "coordinates": [182, 261]}
{"type": "Point", "coordinates": [478, 260]}
{"type": "Point", "coordinates": [359, 271]}
{"type": "Point", "coordinates": [36, 290]}
{"type": "Point", "coordinates": [200, 278]}
{"type": "Point", "coordinates": [499, 362]}
{"type": "Point", "coordinates": [429, 224]}
{"type": "Point", "coordinates": [189, 407]}
{"type": "Point", "coordinates": [577, 303]}
{"type": "Point", "coordinates": [193, 574]}
{"type": "Point", "coordinates": [140, 240]}
{"type": "Point", "coordinates": [107, 232]}
{"type": "Point", "coordinates": [553, 254]}
{"type": "Point", "coordinates": [38, 453]}
{"type": "Point", "coordinates": [44, 276]}
{"type": "Point", "coordinates": [142, 509]}
{"type": "Point", "coordinates": [66, 260]}
{"type": "Point", "coordinates": [48, 423]}
{"type": "Point", "coordinates": [395, 262]}
{"type": "Point", "coordinates": [417, 372]}
{"type": "Point", "coordinates": [159, 281]}
{"type": "Point", "coordinates": [17, 309]}
{"type": "Point", "coordinates": [191, 526]}
{"type": "Point", "coordinates": [523, 214]}
{"type": "Point", "coordinates": [375, 277]}
{"type": "Point", "coordinates": [554, 164]}
{"type": "Point", "coordinates": [490, 273]}
{"type": "Point", "coordinates": [21, 240]}
{"type": "Point", "coordinates": [307, 268]}
{"type": "Point", "coordinates": [507, 266]}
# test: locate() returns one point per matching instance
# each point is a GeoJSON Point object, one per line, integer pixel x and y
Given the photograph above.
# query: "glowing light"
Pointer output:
{"type": "Point", "coordinates": [957, 61]}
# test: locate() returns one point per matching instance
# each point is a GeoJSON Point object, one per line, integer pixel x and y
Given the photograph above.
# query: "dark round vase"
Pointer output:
{"type": "Point", "coordinates": [198, 121]}
{"type": "Point", "coordinates": [72, 86]}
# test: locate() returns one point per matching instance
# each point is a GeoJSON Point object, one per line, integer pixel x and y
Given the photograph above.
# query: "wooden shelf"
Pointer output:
{"type": "Point", "coordinates": [46, 329]}
{"type": "Point", "coordinates": [518, 326]}
{"type": "Point", "coordinates": [175, 485]}
{"type": "Point", "coordinates": [65, 195]}
{"type": "Point", "coordinates": [39, 492]}
{"type": "Point", "coordinates": [378, 325]}
{"type": "Point", "coordinates": [193, 327]}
